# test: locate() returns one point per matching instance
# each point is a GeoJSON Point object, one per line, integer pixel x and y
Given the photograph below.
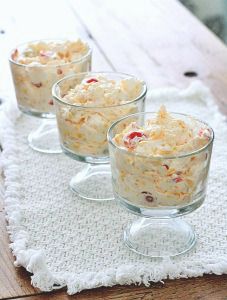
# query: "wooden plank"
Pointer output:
{"type": "Point", "coordinates": [157, 40]}
{"type": "Point", "coordinates": [205, 288]}
{"type": "Point", "coordinates": [13, 281]}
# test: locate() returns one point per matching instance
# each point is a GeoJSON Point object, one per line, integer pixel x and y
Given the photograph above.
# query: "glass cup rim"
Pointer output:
{"type": "Point", "coordinates": [141, 95]}
{"type": "Point", "coordinates": [195, 152]}
{"type": "Point", "coordinates": [49, 66]}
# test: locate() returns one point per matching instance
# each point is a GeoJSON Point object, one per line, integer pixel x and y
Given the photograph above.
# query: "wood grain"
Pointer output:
{"type": "Point", "coordinates": [157, 40]}
{"type": "Point", "coordinates": [207, 288]}
{"type": "Point", "coordinates": [13, 281]}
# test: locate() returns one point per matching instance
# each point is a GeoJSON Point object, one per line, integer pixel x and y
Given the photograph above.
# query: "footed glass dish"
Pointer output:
{"type": "Point", "coordinates": [83, 129]}
{"type": "Point", "coordinates": [159, 189]}
{"type": "Point", "coordinates": [33, 82]}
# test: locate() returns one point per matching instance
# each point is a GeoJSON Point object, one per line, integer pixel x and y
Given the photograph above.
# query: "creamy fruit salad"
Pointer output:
{"type": "Point", "coordinates": [38, 65]}
{"type": "Point", "coordinates": [89, 108]}
{"type": "Point", "coordinates": [160, 163]}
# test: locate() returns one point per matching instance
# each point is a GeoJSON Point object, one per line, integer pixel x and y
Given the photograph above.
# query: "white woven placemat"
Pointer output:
{"type": "Point", "coordinates": [64, 240]}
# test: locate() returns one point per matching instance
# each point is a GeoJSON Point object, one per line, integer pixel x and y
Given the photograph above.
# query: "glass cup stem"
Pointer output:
{"type": "Point", "coordinates": [45, 137]}
{"type": "Point", "coordinates": [93, 182]}
{"type": "Point", "coordinates": [159, 237]}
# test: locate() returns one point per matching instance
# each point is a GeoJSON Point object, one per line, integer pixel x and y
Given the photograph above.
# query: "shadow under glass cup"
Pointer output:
{"type": "Point", "coordinates": [83, 134]}
{"type": "Point", "coordinates": [144, 185]}
{"type": "Point", "coordinates": [33, 84]}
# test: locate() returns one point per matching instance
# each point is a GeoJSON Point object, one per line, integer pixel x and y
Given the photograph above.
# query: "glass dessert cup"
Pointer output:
{"type": "Point", "coordinates": [144, 186]}
{"type": "Point", "coordinates": [86, 141]}
{"type": "Point", "coordinates": [33, 84]}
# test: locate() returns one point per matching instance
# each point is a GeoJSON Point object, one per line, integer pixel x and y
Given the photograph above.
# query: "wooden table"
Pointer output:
{"type": "Point", "coordinates": [157, 40]}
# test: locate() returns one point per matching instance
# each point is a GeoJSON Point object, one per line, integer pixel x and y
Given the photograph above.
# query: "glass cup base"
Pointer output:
{"type": "Point", "coordinates": [93, 182]}
{"type": "Point", "coordinates": [45, 138]}
{"type": "Point", "coordinates": [159, 237]}
{"type": "Point", "coordinates": [38, 114]}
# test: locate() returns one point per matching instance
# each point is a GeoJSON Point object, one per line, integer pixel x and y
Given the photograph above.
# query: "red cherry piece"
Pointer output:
{"type": "Point", "coordinates": [59, 71]}
{"type": "Point", "coordinates": [201, 132]}
{"type": "Point", "coordinates": [15, 54]}
{"type": "Point", "coordinates": [92, 80]}
{"type": "Point", "coordinates": [134, 134]}
{"type": "Point", "coordinates": [51, 102]}
{"type": "Point", "coordinates": [133, 137]}
{"type": "Point", "coordinates": [149, 198]}
{"type": "Point", "coordinates": [38, 85]}
{"type": "Point", "coordinates": [44, 53]}
{"type": "Point", "coordinates": [166, 166]}
{"type": "Point", "coordinates": [178, 179]}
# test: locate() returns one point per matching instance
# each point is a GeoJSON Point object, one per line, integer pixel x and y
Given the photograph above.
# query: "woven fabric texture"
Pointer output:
{"type": "Point", "coordinates": [67, 241]}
